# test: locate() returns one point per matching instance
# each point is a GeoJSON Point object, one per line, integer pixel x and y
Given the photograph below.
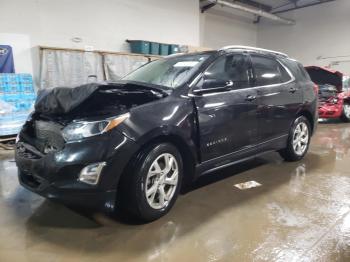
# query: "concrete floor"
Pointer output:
{"type": "Point", "coordinates": [301, 212]}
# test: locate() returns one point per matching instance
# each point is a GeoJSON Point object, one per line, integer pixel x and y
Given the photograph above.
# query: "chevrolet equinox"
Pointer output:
{"type": "Point", "coordinates": [132, 144]}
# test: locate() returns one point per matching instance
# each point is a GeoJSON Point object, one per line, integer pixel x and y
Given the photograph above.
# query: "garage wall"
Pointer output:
{"type": "Point", "coordinates": [320, 31]}
{"type": "Point", "coordinates": [103, 24]}
{"type": "Point", "coordinates": [220, 28]}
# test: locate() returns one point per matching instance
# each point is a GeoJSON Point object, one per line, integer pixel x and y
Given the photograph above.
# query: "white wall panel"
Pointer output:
{"type": "Point", "coordinates": [103, 24]}
{"type": "Point", "coordinates": [219, 29]}
{"type": "Point", "coordinates": [320, 31]}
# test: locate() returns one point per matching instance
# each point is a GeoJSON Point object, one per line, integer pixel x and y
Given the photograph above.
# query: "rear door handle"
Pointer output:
{"type": "Point", "coordinates": [250, 98]}
{"type": "Point", "coordinates": [292, 90]}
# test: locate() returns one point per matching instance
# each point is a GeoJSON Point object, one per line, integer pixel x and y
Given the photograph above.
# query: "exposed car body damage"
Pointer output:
{"type": "Point", "coordinates": [334, 96]}
{"type": "Point", "coordinates": [327, 92]}
{"type": "Point", "coordinates": [56, 108]}
{"type": "Point", "coordinates": [42, 149]}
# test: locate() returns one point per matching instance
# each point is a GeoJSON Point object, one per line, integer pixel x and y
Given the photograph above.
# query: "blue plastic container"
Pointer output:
{"type": "Point", "coordinates": [164, 49]}
{"type": "Point", "coordinates": [154, 48]}
{"type": "Point", "coordinates": [139, 46]}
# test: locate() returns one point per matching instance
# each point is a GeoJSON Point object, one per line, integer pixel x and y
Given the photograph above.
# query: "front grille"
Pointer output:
{"type": "Point", "coordinates": [27, 151]}
{"type": "Point", "coordinates": [28, 155]}
{"type": "Point", "coordinates": [34, 182]}
{"type": "Point", "coordinates": [48, 136]}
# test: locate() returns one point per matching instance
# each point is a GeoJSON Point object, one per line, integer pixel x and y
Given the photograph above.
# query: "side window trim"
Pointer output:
{"type": "Point", "coordinates": [200, 75]}
{"type": "Point", "coordinates": [252, 76]}
{"type": "Point", "coordinates": [292, 78]}
{"type": "Point", "coordinates": [198, 78]}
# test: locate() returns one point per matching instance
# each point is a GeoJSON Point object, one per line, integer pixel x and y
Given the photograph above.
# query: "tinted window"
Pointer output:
{"type": "Point", "coordinates": [304, 74]}
{"type": "Point", "coordinates": [285, 77]}
{"type": "Point", "coordinates": [235, 68]}
{"type": "Point", "coordinates": [268, 71]}
{"type": "Point", "coordinates": [297, 69]}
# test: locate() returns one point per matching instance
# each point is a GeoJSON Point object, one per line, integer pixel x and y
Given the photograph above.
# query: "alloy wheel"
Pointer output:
{"type": "Point", "coordinates": [300, 138]}
{"type": "Point", "coordinates": [162, 181]}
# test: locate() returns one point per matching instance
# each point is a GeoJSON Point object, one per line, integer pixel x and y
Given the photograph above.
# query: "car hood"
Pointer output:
{"type": "Point", "coordinates": [323, 76]}
{"type": "Point", "coordinates": [95, 98]}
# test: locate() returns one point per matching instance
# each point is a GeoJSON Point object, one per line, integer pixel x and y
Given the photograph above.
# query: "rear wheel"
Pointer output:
{"type": "Point", "coordinates": [346, 112]}
{"type": "Point", "coordinates": [151, 189]}
{"type": "Point", "coordinates": [298, 140]}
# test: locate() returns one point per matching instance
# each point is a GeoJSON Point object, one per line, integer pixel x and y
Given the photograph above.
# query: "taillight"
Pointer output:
{"type": "Point", "coordinates": [316, 89]}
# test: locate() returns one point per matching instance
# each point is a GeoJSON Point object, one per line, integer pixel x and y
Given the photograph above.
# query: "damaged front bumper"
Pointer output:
{"type": "Point", "coordinates": [55, 175]}
{"type": "Point", "coordinates": [330, 110]}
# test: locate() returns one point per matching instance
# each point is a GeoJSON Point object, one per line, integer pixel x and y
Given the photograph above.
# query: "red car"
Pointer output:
{"type": "Point", "coordinates": [334, 92]}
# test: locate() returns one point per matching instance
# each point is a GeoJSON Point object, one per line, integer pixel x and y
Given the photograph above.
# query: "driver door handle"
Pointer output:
{"type": "Point", "coordinates": [250, 98]}
{"type": "Point", "coordinates": [292, 90]}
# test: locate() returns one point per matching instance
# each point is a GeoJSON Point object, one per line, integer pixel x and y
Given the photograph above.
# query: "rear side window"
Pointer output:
{"type": "Point", "coordinates": [268, 71]}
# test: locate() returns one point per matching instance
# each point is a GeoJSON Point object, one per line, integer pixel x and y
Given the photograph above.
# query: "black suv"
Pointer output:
{"type": "Point", "coordinates": [132, 144]}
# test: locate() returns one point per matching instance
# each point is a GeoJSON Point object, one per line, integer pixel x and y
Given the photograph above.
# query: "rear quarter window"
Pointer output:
{"type": "Point", "coordinates": [296, 69]}
{"type": "Point", "coordinates": [285, 76]}
{"type": "Point", "coordinates": [304, 73]}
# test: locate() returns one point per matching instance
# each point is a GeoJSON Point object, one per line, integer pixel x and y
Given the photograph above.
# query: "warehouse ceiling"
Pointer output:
{"type": "Point", "coordinates": [263, 8]}
{"type": "Point", "coordinates": [278, 6]}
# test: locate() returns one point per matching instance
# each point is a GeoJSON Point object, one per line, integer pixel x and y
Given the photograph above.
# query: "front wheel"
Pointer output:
{"type": "Point", "coordinates": [151, 189]}
{"type": "Point", "coordinates": [346, 113]}
{"type": "Point", "coordinates": [298, 140]}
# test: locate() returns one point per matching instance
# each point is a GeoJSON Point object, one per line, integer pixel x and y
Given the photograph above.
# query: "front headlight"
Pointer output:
{"type": "Point", "coordinates": [79, 130]}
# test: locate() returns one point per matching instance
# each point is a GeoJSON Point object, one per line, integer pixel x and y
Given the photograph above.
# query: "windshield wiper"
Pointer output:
{"type": "Point", "coordinates": [152, 87]}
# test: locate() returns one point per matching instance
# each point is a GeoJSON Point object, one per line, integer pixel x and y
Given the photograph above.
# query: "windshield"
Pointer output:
{"type": "Point", "coordinates": [170, 72]}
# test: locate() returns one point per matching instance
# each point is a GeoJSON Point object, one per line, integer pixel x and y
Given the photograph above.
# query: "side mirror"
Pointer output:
{"type": "Point", "coordinates": [214, 85]}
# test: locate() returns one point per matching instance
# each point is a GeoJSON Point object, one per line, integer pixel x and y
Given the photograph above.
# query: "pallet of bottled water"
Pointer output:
{"type": "Point", "coordinates": [17, 97]}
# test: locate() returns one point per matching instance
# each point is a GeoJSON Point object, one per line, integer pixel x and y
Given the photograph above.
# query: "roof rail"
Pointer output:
{"type": "Point", "coordinates": [253, 49]}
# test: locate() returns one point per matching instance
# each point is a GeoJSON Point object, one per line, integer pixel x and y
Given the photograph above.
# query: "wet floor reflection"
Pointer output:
{"type": "Point", "coordinates": [301, 212]}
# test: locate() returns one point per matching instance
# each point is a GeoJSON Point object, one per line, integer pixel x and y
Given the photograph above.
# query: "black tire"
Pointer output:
{"type": "Point", "coordinates": [345, 117]}
{"type": "Point", "coordinates": [289, 153]}
{"type": "Point", "coordinates": [132, 195]}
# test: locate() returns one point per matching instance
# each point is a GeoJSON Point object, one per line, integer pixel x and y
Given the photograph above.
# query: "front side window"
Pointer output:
{"type": "Point", "coordinates": [268, 71]}
{"type": "Point", "coordinates": [234, 69]}
{"type": "Point", "coordinates": [170, 72]}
